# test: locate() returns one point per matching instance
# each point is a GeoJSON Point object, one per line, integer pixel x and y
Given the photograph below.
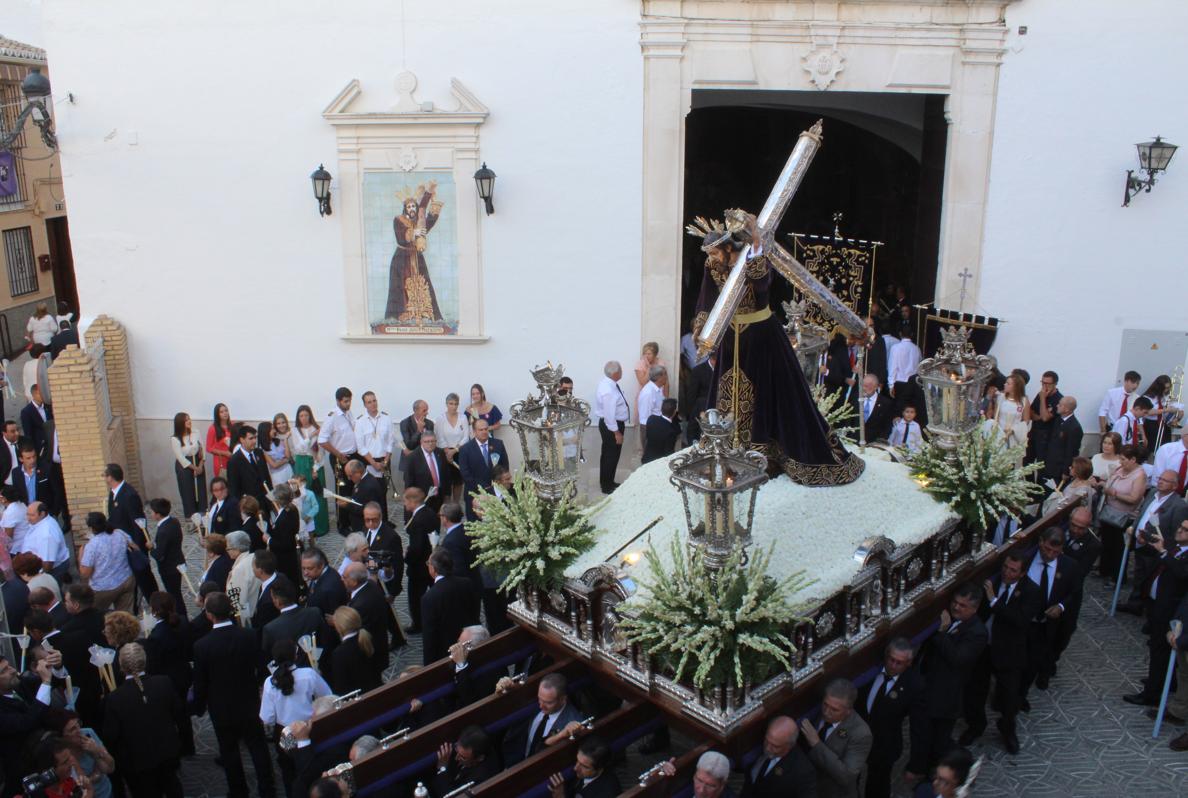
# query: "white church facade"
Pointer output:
{"type": "Point", "coordinates": [986, 141]}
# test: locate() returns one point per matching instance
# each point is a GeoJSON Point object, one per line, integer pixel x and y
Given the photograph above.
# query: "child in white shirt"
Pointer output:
{"type": "Point", "coordinates": [906, 431]}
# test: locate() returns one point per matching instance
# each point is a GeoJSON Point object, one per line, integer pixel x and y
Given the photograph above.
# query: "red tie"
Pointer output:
{"type": "Point", "coordinates": [1183, 472]}
{"type": "Point", "coordinates": [1125, 403]}
{"type": "Point", "coordinates": [433, 468]}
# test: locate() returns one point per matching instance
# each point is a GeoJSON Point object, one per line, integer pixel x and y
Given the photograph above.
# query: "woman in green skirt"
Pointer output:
{"type": "Point", "coordinates": [303, 445]}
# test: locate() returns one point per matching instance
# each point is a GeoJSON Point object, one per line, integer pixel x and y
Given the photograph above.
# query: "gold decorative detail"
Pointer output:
{"type": "Point", "coordinates": [419, 304]}
{"type": "Point", "coordinates": [736, 396]}
{"type": "Point", "coordinates": [757, 268]}
{"type": "Point", "coordinates": [699, 322]}
{"type": "Point", "coordinates": [846, 266]}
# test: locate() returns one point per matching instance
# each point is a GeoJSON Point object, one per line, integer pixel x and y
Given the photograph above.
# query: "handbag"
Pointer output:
{"type": "Point", "coordinates": [138, 561]}
{"type": "Point", "coordinates": [1111, 515]}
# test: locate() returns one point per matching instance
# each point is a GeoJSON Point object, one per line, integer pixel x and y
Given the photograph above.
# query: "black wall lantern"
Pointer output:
{"type": "Point", "coordinates": [1154, 156]}
{"type": "Point", "coordinates": [36, 88]}
{"type": "Point", "coordinates": [321, 187]}
{"type": "Point", "coordinates": [485, 180]}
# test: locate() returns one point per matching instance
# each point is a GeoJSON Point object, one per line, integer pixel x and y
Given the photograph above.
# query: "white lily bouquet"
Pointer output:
{"type": "Point", "coordinates": [102, 658]}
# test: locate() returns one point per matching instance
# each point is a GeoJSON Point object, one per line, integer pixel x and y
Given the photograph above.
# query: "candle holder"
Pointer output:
{"type": "Point", "coordinates": [715, 479]}
{"type": "Point", "coordinates": [953, 381]}
{"type": "Point", "coordinates": [809, 340]}
{"type": "Point", "coordinates": [550, 427]}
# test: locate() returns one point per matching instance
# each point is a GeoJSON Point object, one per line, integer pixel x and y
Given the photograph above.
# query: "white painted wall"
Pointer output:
{"type": "Point", "coordinates": [1063, 261]}
{"type": "Point", "coordinates": [187, 157]}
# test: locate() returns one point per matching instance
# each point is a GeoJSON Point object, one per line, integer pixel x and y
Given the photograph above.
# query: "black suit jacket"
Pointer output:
{"type": "Point", "coordinates": [16, 602]}
{"type": "Point", "coordinates": [368, 489]}
{"type": "Point", "coordinates": [1063, 445]}
{"type": "Point", "coordinates": [252, 526]}
{"type": "Point", "coordinates": [454, 776]}
{"type": "Point", "coordinates": [410, 438]}
{"type": "Point", "coordinates": [1066, 588]}
{"type": "Point", "coordinates": [457, 543]}
{"type": "Point", "coordinates": [661, 436]}
{"type": "Point", "coordinates": [351, 669]}
{"type": "Point", "coordinates": [218, 571]}
{"type": "Point", "coordinates": [1172, 573]}
{"type": "Point", "coordinates": [605, 786]}
{"type": "Point", "coordinates": [516, 741]}
{"type": "Point", "coordinates": [416, 474]}
{"type": "Point", "coordinates": [227, 518]}
{"type": "Point", "coordinates": [878, 426]}
{"type": "Point", "coordinates": [907, 698]}
{"type": "Point", "coordinates": [283, 543]}
{"type": "Point", "coordinates": [265, 611]}
{"type": "Point", "coordinates": [791, 777]}
{"type": "Point", "coordinates": [225, 681]}
{"type": "Point", "coordinates": [475, 471]}
{"type": "Point", "coordinates": [249, 478]}
{"type": "Point", "coordinates": [130, 718]}
{"type": "Point", "coordinates": [327, 593]}
{"type": "Point", "coordinates": [168, 546]}
{"type": "Point", "coordinates": [377, 617]}
{"type": "Point", "coordinates": [876, 359]}
{"type": "Point", "coordinates": [1009, 621]}
{"type": "Point", "coordinates": [386, 540]}
{"type": "Point", "coordinates": [949, 658]}
{"type": "Point", "coordinates": [7, 464]}
{"type": "Point", "coordinates": [123, 510]}
{"type": "Point", "coordinates": [61, 340]}
{"type": "Point", "coordinates": [449, 605]}
{"type": "Point", "coordinates": [45, 488]}
{"type": "Point", "coordinates": [837, 363]}
{"type": "Point", "coordinates": [418, 527]}
{"type": "Point", "coordinates": [19, 718]}
{"type": "Point", "coordinates": [35, 430]}
{"type": "Point", "coordinates": [292, 625]}
{"type": "Point", "coordinates": [1084, 550]}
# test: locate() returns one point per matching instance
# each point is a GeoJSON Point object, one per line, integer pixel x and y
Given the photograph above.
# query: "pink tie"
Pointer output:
{"type": "Point", "coordinates": [433, 468]}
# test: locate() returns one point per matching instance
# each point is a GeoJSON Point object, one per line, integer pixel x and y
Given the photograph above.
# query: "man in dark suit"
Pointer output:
{"type": "Point", "coordinates": [367, 489]}
{"type": "Point", "coordinates": [475, 459]}
{"type": "Point", "coordinates": [125, 509]}
{"type": "Point", "coordinates": [840, 361]}
{"type": "Point", "coordinates": [10, 456]}
{"type": "Point", "coordinates": [224, 512]}
{"type": "Point", "coordinates": [783, 770]}
{"type": "Point", "coordinates": [1007, 611]}
{"type": "Point", "coordinates": [555, 714]}
{"type": "Point", "coordinates": [1159, 515]}
{"type": "Point", "coordinates": [877, 409]}
{"type": "Point", "coordinates": [839, 743]}
{"type": "Point", "coordinates": [33, 480]}
{"type": "Point", "coordinates": [324, 587]}
{"type": "Point", "coordinates": [16, 596]}
{"type": "Point", "coordinates": [455, 540]}
{"type": "Point", "coordinates": [450, 604]}
{"type": "Point", "coordinates": [426, 468]}
{"type": "Point", "coordinates": [247, 472]}
{"type": "Point", "coordinates": [420, 521]}
{"type": "Point", "coordinates": [1162, 594]}
{"type": "Point", "coordinates": [385, 548]}
{"type": "Point", "coordinates": [949, 657]}
{"type": "Point", "coordinates": [42, 598]}
{"type": "Point", "coordinates": [592, 774]}
{"type": "Point", "coordinates": [367, 599]}
{"type": "Point", "coordinates": [470, 760]}
{"type": "Point", "coordinates": [20, 717]}
{"type": "Point", "coordinates": [701, 381]}
{"type": "Point", "coordinates": [292, 621]}
{"type": "Point", "coordinates": [1044, 415]}
{"type": "Point", "coordinates": [225, 684]}
{"type": "Point", "coordinates": [1079, 541]}
{"type": "Point", "coordinates": [264, 569]}
{"type": "Point", "coordinates": [64, 337]}
{"type": "Point", "coordinates": [1064, 442]}
{"type": "Point", "coordinates": [662, 431]}
{"type": "Point", "coordinates": [1060, 583]}
{"type": "Point", "coordinates": [469, 685]}
{"type": "Point", "coordinates": [167, 548]}
{"type": "Point", "coordinates": [876, 352]}
{"type": "Point", "coordinates": [896, 692]}
{"type": "Point", "coordinates": [35, 420]}
{"type": "Point", "coordinates": [82, 628]}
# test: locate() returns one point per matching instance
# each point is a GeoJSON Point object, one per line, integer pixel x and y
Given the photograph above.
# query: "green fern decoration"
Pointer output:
{"type": "Point", "coordinates": [726, 626]}
{"type": "Point", "coordinates": [527, 540]}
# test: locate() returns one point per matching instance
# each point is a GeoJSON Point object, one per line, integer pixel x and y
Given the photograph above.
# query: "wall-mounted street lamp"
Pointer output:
{"type": "Point", "coordinates": [1154, 156]}
{"type": "Point", "coordinates": [321, 188]}
{"type": "Point", "coordinates": [485, 180]}
{"type": "Point", "coordinates": [36, 88]}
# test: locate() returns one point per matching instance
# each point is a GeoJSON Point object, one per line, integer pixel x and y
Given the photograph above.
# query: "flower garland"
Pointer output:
{"type": "Point", "coordinates": [985, 483]}
{"type": "Point", "coordinates": [840, 415]}
{"type": "Point", "coordinates": [529, 541]}
{"type": "Point", "coordinates": [730, 623]}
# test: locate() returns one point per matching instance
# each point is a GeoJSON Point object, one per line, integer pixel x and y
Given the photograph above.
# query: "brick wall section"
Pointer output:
{"type": "Point", "coordinates": [119, 388]}
{"type": "Point", "coordinates": [82, 439]}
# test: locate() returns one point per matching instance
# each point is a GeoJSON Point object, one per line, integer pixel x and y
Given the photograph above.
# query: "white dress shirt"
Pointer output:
{"type": "Point", "coordinates": [1125, 425]}
{"type": "Point", "coordinates": [16, 518]}
{"type": "Point", "coordinates": [1169, 456]}
{"type": "Point", "coordinates": [549, 721]}
{"type": "Point", "coordinates": [651, 397]}
{"type": "Point", "coordinates": [277, 708]}
{"type": "Point", "coordinates": [610, 405]}
{"type": "Point", "coordinates": [1152, 508]}
{"type": "Point", "coordinates": [374, 436]}
{"type": "Point", "coordinates": [1111, 405]}
{"type": "Point", "coordinates": [1036, 574]}
{"type": "Point", "coordinates": [185, 449]}
{"type": "Point", "coordinates": [45, 539]}
{"type": "Point", "coordinates": [339, 431]}
{"type": "Point", "coordinates": [907, 434]}
{"type": "Point", "coordinates": [902, 361]}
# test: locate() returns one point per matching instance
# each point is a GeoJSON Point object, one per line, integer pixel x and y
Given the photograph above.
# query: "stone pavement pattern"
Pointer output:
{"type": "Point", "coordinates": [1080, 739]}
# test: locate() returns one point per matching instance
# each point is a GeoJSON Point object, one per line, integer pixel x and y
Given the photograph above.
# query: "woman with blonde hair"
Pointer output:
{"type": "Point", "coordinates": [42, 326]}
{"type": "Point", "coordinates": [351, 667]}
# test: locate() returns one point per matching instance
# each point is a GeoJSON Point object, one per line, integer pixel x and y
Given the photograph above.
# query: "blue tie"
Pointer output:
{"type": "Point", "coordinates": [31, 486]}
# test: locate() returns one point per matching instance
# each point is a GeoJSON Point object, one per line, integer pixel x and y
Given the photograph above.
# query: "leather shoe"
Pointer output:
{"type": "Point", "coordinates": [1167, 717]}
{"type": "Point", "coordinates": [968, 737]}
{"type": "Point", "coordinates": [1140, 699]}
{"type": "Point", "coordinates": [1179, 743]}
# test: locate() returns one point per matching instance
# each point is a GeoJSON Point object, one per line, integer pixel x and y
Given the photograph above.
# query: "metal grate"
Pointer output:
{"type": "Point", "coordinates": [22, 266]}
{"type": "Point", "coordinates": [11, 103]}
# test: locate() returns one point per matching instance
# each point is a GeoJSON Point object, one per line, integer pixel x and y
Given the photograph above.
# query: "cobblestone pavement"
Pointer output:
{"type": "Point", "coordinates": [1080, 739]}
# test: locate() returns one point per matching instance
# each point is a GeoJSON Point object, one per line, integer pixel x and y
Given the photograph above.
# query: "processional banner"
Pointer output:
{"type": "Point", "coordinates": [846, 266]}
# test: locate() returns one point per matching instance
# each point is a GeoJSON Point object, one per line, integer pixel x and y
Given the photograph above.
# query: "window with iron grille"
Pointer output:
{"type": "Point", "coordinates": [22, 266]}
{"type": "Point", "coordinates": [11, 102]}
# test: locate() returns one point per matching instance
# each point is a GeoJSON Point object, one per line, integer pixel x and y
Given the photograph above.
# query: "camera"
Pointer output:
{"type": "Point", "coordinates": [381, 558]}
{"type": "Point", "coordinates": [36, 783]}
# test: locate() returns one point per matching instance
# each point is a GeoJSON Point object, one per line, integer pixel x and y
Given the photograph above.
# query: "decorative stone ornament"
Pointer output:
{"type": "Point", "coordinates": [823, 65]}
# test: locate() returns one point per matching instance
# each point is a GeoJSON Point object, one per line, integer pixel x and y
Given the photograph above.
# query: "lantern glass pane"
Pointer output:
{"type": "Point", "coordinates": [1160, 156]}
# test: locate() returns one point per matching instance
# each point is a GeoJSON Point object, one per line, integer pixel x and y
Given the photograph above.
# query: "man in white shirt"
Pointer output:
{"type": "Point", "coordinates": [45, 539]}
{"type": "Point", "coordinates": [13, 521]}
{"type": "Point", "coordinates": [903, 359]}
{"type": "Point", "coordinates": [1118, 400]}
{"type": "Point", "coordinates": [613, 414]}
{"type": "Point", "coordinates": [337, 436]}
{"type": "Point", "coordinates": [651, 396]}
{"type": "Point", "coordinates": [375, 438]}
{"type": "Point", "coordinates": [1130, 423]}
{"type": "Point", "coordinates": [1173, 456]}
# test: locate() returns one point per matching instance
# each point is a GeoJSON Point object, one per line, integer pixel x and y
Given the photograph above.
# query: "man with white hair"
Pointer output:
{"type": "Point", "coordinates": [709, 780]}
{"type": "Point", "coordinates": [783, 770]}
{"type": "Point", "coordinates": [469, 686]}
{"type": "Point", "coordinates": [839, 743]}
{"type": "Point", "coordinates": [651, 396]}
{"type": "Point", "coordinates": [613, 414]}
{"type": "Point", "coordinates": [242, 585]}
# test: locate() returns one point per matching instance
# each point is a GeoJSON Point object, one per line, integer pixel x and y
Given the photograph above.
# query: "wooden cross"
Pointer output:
{"type": "Point", "coordinates": [718, 319]}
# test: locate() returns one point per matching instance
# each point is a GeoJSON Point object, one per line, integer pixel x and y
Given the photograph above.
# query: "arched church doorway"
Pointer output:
{"type": "Point", "coordinates": [881, 167]}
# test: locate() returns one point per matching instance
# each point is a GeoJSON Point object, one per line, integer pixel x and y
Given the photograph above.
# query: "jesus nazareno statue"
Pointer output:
{"type": "Point", "coordinates": [757, 377]}
{"type": "Point", "coordinates": [411, 298]}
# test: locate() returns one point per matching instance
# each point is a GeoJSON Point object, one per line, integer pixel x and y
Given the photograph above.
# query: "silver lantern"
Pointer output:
{"type": "Point", "coordinates": [953, 381]}
{"type": "Point", "coordinates": [808, 339]}
{"type": "Point", "coordinates": [550, 427]}
{"type": "Point", "coordinates": [719, 484]}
